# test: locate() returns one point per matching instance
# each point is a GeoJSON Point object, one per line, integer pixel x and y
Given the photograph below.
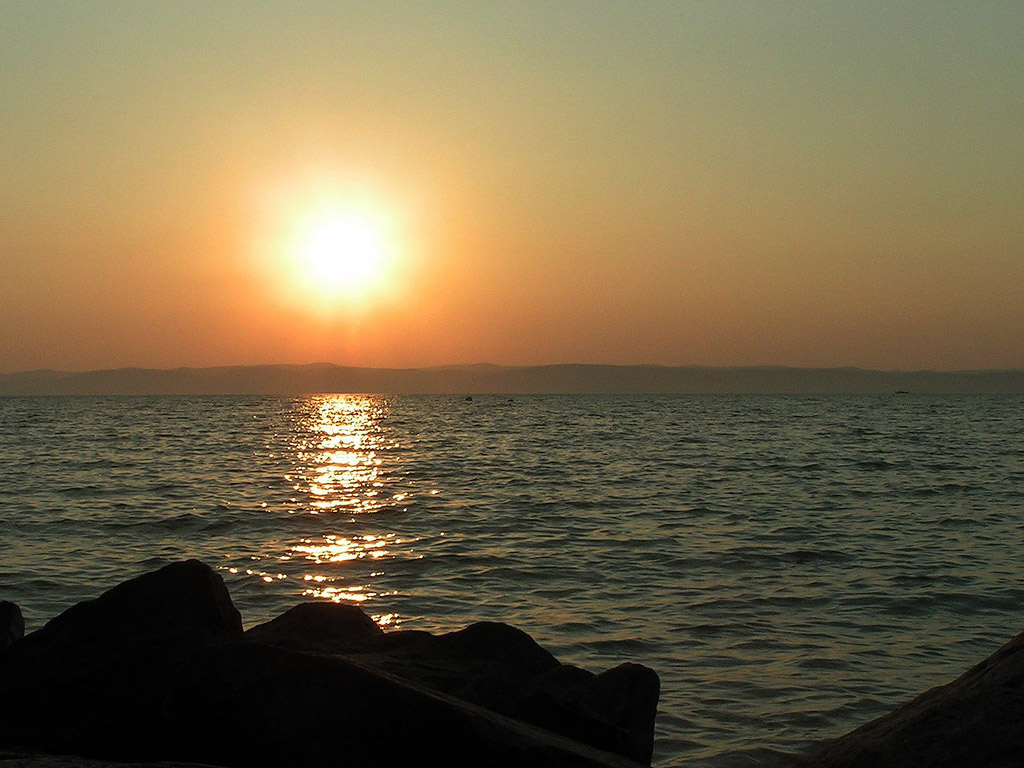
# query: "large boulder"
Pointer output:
{"type": "Point", "coordinates": [626, 698]}
{"type": "Point", "coordinates": [976, 721]}
{"type": "Point", "coordinates": [490, 665]}
{"type": "Point", "coordinates": [495, 643]}
{"type": "Point", "coordinates": [319, 628]}
{"type": "Point", "coordinates": [259, 706]}
{"type": "Point", "coordinates": [93, 680]}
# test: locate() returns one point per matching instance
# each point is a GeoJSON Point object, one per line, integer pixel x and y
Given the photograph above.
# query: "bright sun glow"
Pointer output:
{"type": "Point", "coordinates": [327, 251]}
{"type": "Point", "coordinates": [343, 254]}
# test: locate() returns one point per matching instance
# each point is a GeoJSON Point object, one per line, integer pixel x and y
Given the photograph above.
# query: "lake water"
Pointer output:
{"type": "Point", "coordinates": [791, 566]}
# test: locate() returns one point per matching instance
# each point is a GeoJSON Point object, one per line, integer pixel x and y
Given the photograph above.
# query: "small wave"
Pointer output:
{"type": "Point", "coordinates": [621, 645]}
{"type": "Point", "coordinates": [823, 663]}
{"type": "Point", "coordinates": [879, 465]}
{"type": "Point", "coordinates": [88, 491]}
{"type": "Point", "coordinates": [749, 559]}
{"type": "Point", "coordinates": [958, 604]}
{"type": "Point", "coordinates": [170, 490]}
{"type": "Point", "coordinates": [717, 630]}
{"type": "Point", "coordinates": [791, 601]}
{"type": "Point", "coordinates": [185, 521]}
{"type": "Point", "coordinates": [89, 464]}
{"type": "Point", "coordinates": [152, 563]}
{"type": "Point", "coordinates": [698, 511]}
{"type": "Point", "coordinates": [218, 526]}
{"type": "Point", "coordinates": [813, 466]}
{"type": "Point", "coordinates": [751, 757]}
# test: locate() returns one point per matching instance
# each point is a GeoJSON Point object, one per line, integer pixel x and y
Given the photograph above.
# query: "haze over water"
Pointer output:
{"type": "Point", "coordinates": [791, 566]}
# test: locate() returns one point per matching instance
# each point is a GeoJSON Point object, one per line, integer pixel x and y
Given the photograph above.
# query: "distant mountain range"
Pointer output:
{"type": "Point", "coordinates": [496, 379]}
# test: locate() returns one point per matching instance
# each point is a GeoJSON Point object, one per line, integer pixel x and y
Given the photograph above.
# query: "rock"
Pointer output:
{"type": "Point", "coordinates": [92, 681]}
{"type": "Point", "coordinates": [626, 697]}
{"type": "Point", "coordinates": [491, 665]}
{"type": "Point", "coordinates": [488, 663]}
{"type": "Point", "coordinates": [158, 669]}
{"type": "Point", "coordinates": [12, 624]}
{"type": "Point", "coordinates": [319, 628]}
{"type": "Point", "coordinates": [976, 721]}
{"type": "Point", "coordinates": [246, 704]}
{"type": "Point", "coordinates": [334, 628]}
{"type": "Point", "coordinates": [497, 643]}
{"type": "Point", "coordinates": [614, 711]}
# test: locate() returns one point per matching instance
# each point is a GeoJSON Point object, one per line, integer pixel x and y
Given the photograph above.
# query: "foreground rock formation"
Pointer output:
{"type": "Point", "coordinates": [490, 665]}
{"type": "Point", "coordinates": [158, 668]}
{"type": "Point", "coordinates": [976, 721]}
{"type": "Point", "coordinates": [158, 671]}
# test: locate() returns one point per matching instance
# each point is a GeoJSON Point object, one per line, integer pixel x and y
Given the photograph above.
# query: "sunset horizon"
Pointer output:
{"type": "Point", "coordinates": [198, 184]}
{"type": "Point", "coordinates": [490, 379]}
{"type": "Point", "coordinates": [583, 382]}
{"type": "Point", "coordinates": [492, 364]}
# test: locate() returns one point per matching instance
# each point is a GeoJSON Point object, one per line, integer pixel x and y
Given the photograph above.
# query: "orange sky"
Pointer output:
{"type": "Point", "coordinates": [675, 183]}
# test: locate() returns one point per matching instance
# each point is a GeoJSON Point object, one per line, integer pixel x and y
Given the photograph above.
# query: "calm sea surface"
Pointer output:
{"type": "Point", "coordinates": [791, 566]}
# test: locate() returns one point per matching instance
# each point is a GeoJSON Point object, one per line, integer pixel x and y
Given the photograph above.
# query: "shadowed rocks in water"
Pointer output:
{"type": "Point", "coordinates": [12, 623]}
{"type": "Point", "coordinates": [491, 665]}
{"type": "Point", "coordinates": [91, 679]}
{"type": "Point", "coordinates": [247, 704]}
{"type": "Point", "coordinates": [976, 721]}
{"type": "Point", "coordinates": [156, 669]}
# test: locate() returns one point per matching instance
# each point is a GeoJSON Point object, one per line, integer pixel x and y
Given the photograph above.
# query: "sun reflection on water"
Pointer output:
{"type": "Point", "coordinates": [337, 549]}
{"type": "Point", "coordinates": [339, 457]}
{"type": "Point", "coordinates": [340, 476]}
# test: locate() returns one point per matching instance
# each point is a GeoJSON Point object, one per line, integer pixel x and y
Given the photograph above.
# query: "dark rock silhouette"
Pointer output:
{"type": "Point", "coordinates": [12, 623]}
{"type": "Point", "coordinates": [976, 721]}
{"type": "Point", "coordinates": [248, 704]}
{"type": "Point", "coordinates": [158, 668]}
{"type": "Point", "coordinates": [491, 665]}
{"type": "Point", "coordinates": [90, 681]}
{"type": "Point", "coordinates": [319, 628]}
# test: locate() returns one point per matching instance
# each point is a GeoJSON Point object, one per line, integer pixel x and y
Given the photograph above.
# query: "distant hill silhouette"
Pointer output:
{"type": "Point", "coordinates": [496, 379]}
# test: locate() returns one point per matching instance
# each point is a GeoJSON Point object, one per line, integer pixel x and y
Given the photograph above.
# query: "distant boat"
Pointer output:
{"type": "Point", "coordinates": [902, 392]}
{"type": "Point", "coordinates": [469, 398]}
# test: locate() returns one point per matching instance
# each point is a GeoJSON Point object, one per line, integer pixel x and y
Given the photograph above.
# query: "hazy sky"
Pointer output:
{"type": "Point", "coordinates": [715, 183]}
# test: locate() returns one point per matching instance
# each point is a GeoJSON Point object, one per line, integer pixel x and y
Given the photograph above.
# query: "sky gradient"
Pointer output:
{"type": "Point", "coordinates": [805, 184]}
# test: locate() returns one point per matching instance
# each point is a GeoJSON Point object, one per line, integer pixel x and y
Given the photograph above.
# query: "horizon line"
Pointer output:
{"type": "Point", "coordinates": [513, 366]}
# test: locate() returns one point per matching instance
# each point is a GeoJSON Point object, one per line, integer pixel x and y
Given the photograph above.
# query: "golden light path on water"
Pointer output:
{"type": "Point", "coordinates": [338, 450]}
{"type": "Point", "coordinates": [343, 465]}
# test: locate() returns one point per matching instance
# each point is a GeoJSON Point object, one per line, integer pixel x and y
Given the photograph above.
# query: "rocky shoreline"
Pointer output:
{"type": "Point", "coordinates": [159, 669]}
{"type": "Point", "coordinates": [158, 672]}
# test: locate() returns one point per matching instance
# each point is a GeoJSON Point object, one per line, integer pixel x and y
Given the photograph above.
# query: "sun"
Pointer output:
{"type": "Point", "coordinates": [324, 249]}
{"type": "Point", "coordinates": [344, 254]}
